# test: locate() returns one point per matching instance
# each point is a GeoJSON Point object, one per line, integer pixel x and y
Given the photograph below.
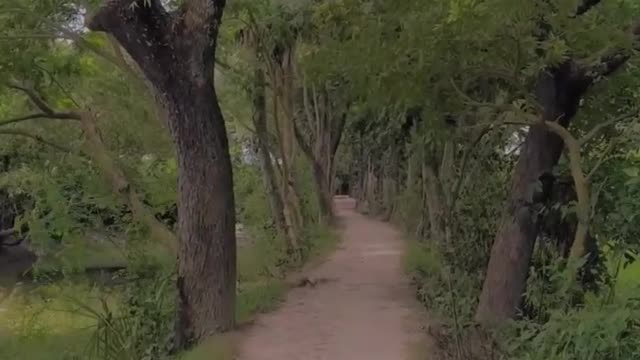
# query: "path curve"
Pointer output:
{"type": "Point", "coordinates": [363, 311]}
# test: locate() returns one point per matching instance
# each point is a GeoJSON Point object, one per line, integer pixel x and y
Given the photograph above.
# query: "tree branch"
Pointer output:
{"type": "Point", "coordinates": [337, 134]}
{"type": "Point", "coordinates": [23, 118]}
{"type": "Point", "coordinates": [7, 233]}
{"type": "Point", "coordinates": [17, 242]}
{"type": "Point", "coordinates": [607, 65]}
{"type": "Point", "coordinates": [604, 157]}
{"type": "Point", "coordinates": [36, 99]}
{"type": "Point", "coordinates": [35, 137]}
{"type": "Point", "coordinates": [596, 129]}
{"type": "Point", "coordinates": [29, 36]}
{"type": "Point", "coordinates": [306, 148]}
{"type": "Point", "coordinates": [585, 6]}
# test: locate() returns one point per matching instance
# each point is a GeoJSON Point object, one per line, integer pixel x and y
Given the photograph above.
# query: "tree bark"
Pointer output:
{"type": "Point", "coordinates": [290, 200]}
{"type": "Point", "coordinates": [176, 53]}
{"type": "Point", "coordinates": [324, 131]}
{"type": "Point", "coordinates": [559, 92]}
{"type": "Point", "coordinates": [323, 191]}
{"type": "Point", "coordinates": [269, 174]}
{"type": "Point", "coordinates": [434, 203]}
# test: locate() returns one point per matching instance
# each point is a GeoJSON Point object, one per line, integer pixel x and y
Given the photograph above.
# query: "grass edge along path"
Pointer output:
{"type": "Point", "coordinates": [265, 295]}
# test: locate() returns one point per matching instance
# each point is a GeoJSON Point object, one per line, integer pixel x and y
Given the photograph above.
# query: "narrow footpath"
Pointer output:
{"type": "Point", "coordinates": [361, 308]}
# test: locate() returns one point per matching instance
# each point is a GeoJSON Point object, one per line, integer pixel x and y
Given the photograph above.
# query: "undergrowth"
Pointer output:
{"type": "Point", "coordinates": [449, 292]}
{"type": "Point", "coordinates": [134, 321]}
{"type": "Point", "coordinates": [566, 323]}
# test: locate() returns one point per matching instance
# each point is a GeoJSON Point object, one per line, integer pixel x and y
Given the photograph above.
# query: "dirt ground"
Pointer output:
{"type": "Point", "coordinates": [361, 307]}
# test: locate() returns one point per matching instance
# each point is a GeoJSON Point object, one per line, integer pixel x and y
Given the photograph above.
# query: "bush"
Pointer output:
{"type": "Point", "coordinates": [450, 292]}
{"type": "Point", "coordinates": [606, 326]}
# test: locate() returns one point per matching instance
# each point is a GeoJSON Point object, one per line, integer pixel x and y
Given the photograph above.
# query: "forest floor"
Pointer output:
{"type": "Point", "coordinates": [357, 304]}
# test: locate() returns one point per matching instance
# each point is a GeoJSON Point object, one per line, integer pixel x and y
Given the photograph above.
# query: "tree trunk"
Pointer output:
{"type": "Point", "coordinates": [434, 204]}
{"type": "Point", "coordinates": [176, 52]}
{"type": "Point", "coordinates": [504, 284]}
{"type": "Point", "coordinates": [207, 256]}
{"type": "Point", "coordinates": [370, 188]}
{"type": "Point", "coordinates": [323, 191]}
{"type": "Point", "coordinates": [262, 137]}
{"type": "Point", "coordinates": [320, 145]}
{"type": "Point", "coordinates": [290, 199]}
{"type": "Point", "coordinates": [511, 253]}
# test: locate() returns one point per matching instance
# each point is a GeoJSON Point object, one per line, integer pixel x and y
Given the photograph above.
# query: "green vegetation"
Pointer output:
{"type": "Point", "coordinates": [501, 135]}
{"type": "Point", "coordinates": [59, 320]}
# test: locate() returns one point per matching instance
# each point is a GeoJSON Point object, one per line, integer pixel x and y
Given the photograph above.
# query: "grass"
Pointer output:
{"type": "Point", "coordinates": [422, 259]}
{"type": "Point", "coordinates": [216, 348]}
{"type": "Point", "coordinates": [258, 298]}
{"type": "Point", "coordinates": [42, 321]}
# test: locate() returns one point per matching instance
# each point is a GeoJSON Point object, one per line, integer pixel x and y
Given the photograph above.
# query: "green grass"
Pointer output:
{"type": "Point", "coordinates": [220, 347]}
{"type": "Point", "coordinates": [42, 321]}
{"type": "Point", "coordinates": [262, 269]}
{"type": "Point", "coordinates": [422, 259]}
{"type": "Point", "coordinates": [258, 298]}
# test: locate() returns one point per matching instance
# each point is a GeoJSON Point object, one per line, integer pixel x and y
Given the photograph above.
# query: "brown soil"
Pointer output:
{"type": "Point", "coordinates": [359, 307]}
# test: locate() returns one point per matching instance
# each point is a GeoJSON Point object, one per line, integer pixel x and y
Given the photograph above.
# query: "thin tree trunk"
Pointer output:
{"type": "Point", "coordinates": [323, 191]}
{"type": "Point", "coordinates": [434, 203]}
{"type": "Point", "coordinates": [321, 145]}
{"type": "Point", "coordinates": [371, 188]}
{"type": "Point", "coordinates": [177, 57]}
{"type": "Point", "coordinates": [289, 198]}
{"type": "Point", "coordinates": [262, 137]}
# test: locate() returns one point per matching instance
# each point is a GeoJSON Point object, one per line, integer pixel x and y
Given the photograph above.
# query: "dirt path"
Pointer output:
{"type": "Point", "coordinates": [363, 311]}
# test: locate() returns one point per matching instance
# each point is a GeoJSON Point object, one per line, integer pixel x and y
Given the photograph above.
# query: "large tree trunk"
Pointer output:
{"type": "Point", "coordinates": [559, 94]}
{"type": "Point", "coordinates": [559, 91]}
{"type": "Point", "coordinates": [511, 252]}
{"type": "Point", "coordinates": [176, 52]}
{"type": "Point", "coordinates": [207, 255]}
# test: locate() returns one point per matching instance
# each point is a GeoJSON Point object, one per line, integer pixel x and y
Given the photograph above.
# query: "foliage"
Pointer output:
{"type": "Point", "coordinates": [446, 290]}
{"type": "Point", "coordinates": [604, 327]}
{"type": "Point", "coordinates": [142, 326]}
{"type": "Point", "coordinates": [431, 86]}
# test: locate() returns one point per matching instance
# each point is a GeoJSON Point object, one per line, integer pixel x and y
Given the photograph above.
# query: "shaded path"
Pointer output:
{"type": "Point", "coordinates": [364, 311]}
